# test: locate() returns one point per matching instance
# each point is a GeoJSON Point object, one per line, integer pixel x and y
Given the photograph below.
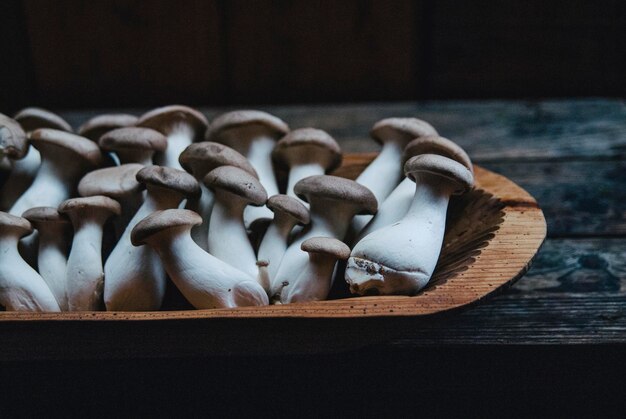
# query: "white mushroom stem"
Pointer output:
{"type": "Point", "coordinates": [203, 206]}
{"type": "Point", "coordinates": [274, 243]}
{"type": "Point", "coordinates": [314, 282]}
{"type": "Point", "coordinates": [228, 239]}
{"type": "Point", "coordinates": [135, 276]}
{"type": "Point", "coordinates": [52, 262]}
{"type": "Point", "coordinates": [179, 137]}
{"type": "Point", "coordinates": [21, 287]}
{"type": "Point", "coordinates": [381, 177]}
{"type": "Point", "coordinates": [85, 276]}
{"type": "Point", "coordinates": [298, 172]}
{"type": "Point", "coordinates": [260, 156]}
{"type": "Point", "coordinates": [392, 209]}
{"type": "Point", "coordinates": [23, 172]}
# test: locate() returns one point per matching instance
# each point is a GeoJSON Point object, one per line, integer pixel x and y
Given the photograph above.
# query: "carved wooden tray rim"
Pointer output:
{"type": "Point", "coordinates": [503, 260]}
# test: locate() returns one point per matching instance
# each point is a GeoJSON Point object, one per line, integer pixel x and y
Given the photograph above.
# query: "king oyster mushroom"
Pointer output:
{"type": "Point", "coordinates": [333, 201]}
{"type": "Point", "coordinates": [306, 152]}
{"type": "Point", "coordinates": [181, 125]}
{"type": "Point", "coordinates": [199, 159]}
{"type": "Point", "coordinates": [234, 190]}
{"type": "Point", "coordinates": [135, 278]}
{"type": "Point", "coordinates": [21, 287]}
{"type": "Point", "coordinates": [97, 126]}
{"type": "Point", "coordinates": [204, 280]}
{"type": "Point", "coordinates": [85, 276]}
{"type": "Point", "coordinates": [253, 134]}
{"type": "Point", "coordinates": [385, 172]}
{"type": "Point", "coordinates": [314, 282]}
{"type": "Point", "coordinates": [54, 242]}
{"type": "Point", "coordinates": [398, 202]}
{"type": "Point", "coordinates": [400, 258]}
{"type": "Point", "coordinates": [133, 144]}
{"type": "Point", "coordinates": [13, 147]}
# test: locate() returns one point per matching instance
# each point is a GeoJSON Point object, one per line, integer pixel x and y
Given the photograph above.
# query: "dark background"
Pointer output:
{"type": "Point", "coordinates": [125, 53]}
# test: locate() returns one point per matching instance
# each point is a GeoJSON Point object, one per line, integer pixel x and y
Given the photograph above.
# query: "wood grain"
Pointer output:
{"type": "Point", "coordinates": [489, 244]}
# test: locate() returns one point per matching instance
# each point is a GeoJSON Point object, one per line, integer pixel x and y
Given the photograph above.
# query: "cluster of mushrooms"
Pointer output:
{"type": "Point", "coordinates": [99, 219]}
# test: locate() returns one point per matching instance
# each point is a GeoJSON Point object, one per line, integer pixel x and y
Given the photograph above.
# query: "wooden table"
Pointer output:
{"type": "Point", "coordinates": [570, 308]}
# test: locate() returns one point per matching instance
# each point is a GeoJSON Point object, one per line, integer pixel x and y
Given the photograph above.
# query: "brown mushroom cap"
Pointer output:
{"type": "Point", "coordinates": [13, 142]}
{"type": "Point", "coordinates": [404, 129]}
{"type": "Point", "coordinates": [337, 189]}
{"type": "Point", "coordinates": [101, 124]}
{"type": "Point", "coordinates": [236, 119]}
{"type": "Point", "coordinates": [45, 215]}
{"type": "Point", "coordinates": [114, 182]}
{"type": "Point", "coordinates": [200, 158]}
{"type": "Point", "coordinates": [12, 223]}
{"type": "Point", "coordinates": [433, 144]}
{"type": "Point", "coordinates": [169, 178]}
{"type": "Point", "coordinates": [310, 145]}
{"type": "Point", "coordinates": [34, 118]}
{"type": "Point", "coordinates": [98, 202]}
{"type": "Point", "coordinates": [284, 204]}
{"type": "Point", "coordinates": [77, 145]}
{"type": "Point", "coordinates": [237, 182]}
{"type": "Point", "coordinates": [327, 246]}
{"type": "Point", "coordinates": [166, 118]}
{"type": "Point", "coordinates": [133, 138]}
{"type": "Point", "coordinates": [162, 220]}
{"type": "Point", "coordinates": [440, 166]}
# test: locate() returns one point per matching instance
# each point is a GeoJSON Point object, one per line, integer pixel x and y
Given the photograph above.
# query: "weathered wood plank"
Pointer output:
{"type": "Point", "coordinates": [489, 131]}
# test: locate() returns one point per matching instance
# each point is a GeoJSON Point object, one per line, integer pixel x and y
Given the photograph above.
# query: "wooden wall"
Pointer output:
{"type": "Point", "coordinates": [96, 53]}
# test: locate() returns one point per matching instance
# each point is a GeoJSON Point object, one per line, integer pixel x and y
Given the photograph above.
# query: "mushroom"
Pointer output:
{"type": "Point", "coordinates": [13, 148]}
{"type": "Point", "coordinates": [199, 159]}
{"type": "Point", "coordinates": [306, 152]}
{"type": "Point", "coordinates": [253, 134]}
{"type": "Point", "coordinates": [400, 258]}
{"type": "Point", "coordinates": [234, 190]}
{"type": "Point", "coordinates": [118, 183]}
{"type": "Point", "coordinates": [314, 282]}
{"type": "Point", "coordinates": [288, 212]}
{"type": "Point", "coordinates": [21, 287]}
{"type": "Point", "coordinates": [133, 144]}
{"type": "Point", "coordinates": [333, 203]}
{"type": "Point", "coordinates": [85, 276]}
{"type": "Point", "coordinates": [34, 118]}
{"type": "Point", "coordinates": [204, 280]}
{"type": "Point", "coordinates": [65, 157]}
{"type": "Point", "coordinates": [97, 126]}
{"type": "Point", "coordinates": [180, 124]}
{"type": "Point", "coordinates": [397, 203]}
{"type": "Point", "coordinates": [385, 172]}
{"type": "Point", "coordinates": [54, 240]}
{"type": "Point", "coordinates": [135, 278]}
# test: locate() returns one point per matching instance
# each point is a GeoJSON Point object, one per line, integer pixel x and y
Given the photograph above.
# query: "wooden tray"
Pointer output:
{"type": "Point", "coordinates": [492, 236]}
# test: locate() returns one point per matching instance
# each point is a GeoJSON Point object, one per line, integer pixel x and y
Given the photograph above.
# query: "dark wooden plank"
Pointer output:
{"type": "Point", "coordinates": [103, 53]}
{"type": "Point", "coordinates": [323, 50]}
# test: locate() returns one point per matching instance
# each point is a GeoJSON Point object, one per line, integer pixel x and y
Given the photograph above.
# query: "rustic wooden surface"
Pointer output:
{"type": "Point", "coordinates": [568, 154]}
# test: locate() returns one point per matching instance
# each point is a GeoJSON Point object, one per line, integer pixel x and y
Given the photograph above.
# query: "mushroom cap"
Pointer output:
{"type": "Point", "coordinates": [77, 145]}
{"type": "Point", "coordinates": [34, 118]}
{"type": "Point", "coordinates": [290, 206]}
{"type": "Point", "coordinates": [328, 246]}
{"type": "Point", "coordinates": [97, 202]}
{"type": "Point", "coordinates": [433, 144]}
{"type": "Point", "coordinates": [45, 215]}
{"type": "Point", "coordinates": [13, 142]}
{"type": "Point", "coordinates": [297, 144]}
{"type": "Point", "coordinates": [11, 222]}
{"type": "Point", "coordinates": [440, 166]}
{"type": "Point", "coordinates": [115, 182]}
{"type": "Point", "coordinates": [169, 178]}
{"type": "Point", "coordinates": [404, 129]}
{"type": "Point", "coordinates": [337, 189]}
{"type": "Point", "coordinates": [238, 182]}
{"type": "Point", "coordinates": [98, 125]}
{"type": "Point", "coordinates": [133, 138]}
{"type": "Point", "coordinates": [164, 119]}
{"type": "Point", "coordinates": [236, 119]}
{"type": "Point", "coordinates": [200, 158]}
{"type": "Point", "coordinates": [162, 220]}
